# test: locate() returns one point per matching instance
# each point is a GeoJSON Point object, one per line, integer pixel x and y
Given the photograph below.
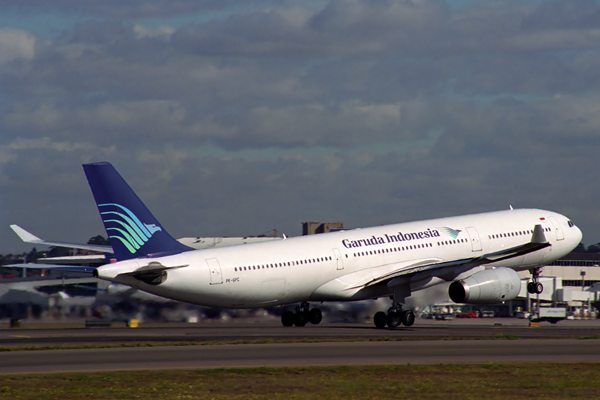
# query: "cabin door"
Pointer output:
{"type": "Point", "coordinates": [215, 271]}
{"type": "Point", "coordinates": [474, 237]}
{"type": "Point", "coordinates": [559, 233]}
{"type": "Point", "coordinates": [338, 259]}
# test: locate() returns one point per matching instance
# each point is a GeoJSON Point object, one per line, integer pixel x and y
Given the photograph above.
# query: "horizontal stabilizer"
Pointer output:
{"type": "Point", "coordinates": [154, 273]}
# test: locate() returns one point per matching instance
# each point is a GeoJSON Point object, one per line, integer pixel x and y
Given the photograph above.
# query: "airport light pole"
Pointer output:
{"type": "Point", "coordinates": [582, 273]}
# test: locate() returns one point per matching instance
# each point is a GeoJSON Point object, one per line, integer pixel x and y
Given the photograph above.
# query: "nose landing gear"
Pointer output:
{"type": "Point", "coordinates": [302, 316]}
{"type": "Point", "coordinates": [535, 287]}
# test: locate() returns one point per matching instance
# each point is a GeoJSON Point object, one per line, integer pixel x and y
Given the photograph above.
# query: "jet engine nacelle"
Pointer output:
{"type": "Point", "coordinates": [486, 287]}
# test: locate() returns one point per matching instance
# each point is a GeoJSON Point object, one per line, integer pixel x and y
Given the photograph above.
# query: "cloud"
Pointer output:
{"type": "Point", "coordinates": [232, 120]}
{"type": "Point", "coordinates": [16, 44]}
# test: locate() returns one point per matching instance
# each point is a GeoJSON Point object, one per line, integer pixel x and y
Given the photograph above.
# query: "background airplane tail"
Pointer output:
{"type": "Point", "coordinates": [132, 229]}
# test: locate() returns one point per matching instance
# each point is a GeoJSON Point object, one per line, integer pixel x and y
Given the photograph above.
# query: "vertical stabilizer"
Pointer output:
{"type": "Point", "coordinates": [131, 228]}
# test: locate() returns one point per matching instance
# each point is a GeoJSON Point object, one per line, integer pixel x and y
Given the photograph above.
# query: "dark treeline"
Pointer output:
{"type": "Point", "coordinates": [593, 248]}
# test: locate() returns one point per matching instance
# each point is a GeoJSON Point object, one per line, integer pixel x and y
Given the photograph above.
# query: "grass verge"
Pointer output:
{"type": "Point", "coordinates": [423, 382]}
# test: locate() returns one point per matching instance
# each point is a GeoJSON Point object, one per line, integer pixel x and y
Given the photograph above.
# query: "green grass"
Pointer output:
{"type": "Point", "coordinates": [423, 382]}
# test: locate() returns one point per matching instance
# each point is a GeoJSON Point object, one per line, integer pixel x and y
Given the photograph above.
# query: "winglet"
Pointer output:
{"type": "Point", "coordinates": [29, 237]}
{"type": "Point", "coordinates": [538, 235]}
{"type": "Point", "coordinates": [25, 236]}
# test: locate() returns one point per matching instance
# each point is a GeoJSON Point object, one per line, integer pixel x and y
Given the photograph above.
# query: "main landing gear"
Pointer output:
{"type": "Point", "coordinates": [535, 287]}
{"type": "Point", "coordinates": [393, 318]}
{"type": "Point", "coordinates": [302, 316]}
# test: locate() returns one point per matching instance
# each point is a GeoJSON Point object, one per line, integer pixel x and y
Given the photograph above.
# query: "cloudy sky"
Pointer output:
{"type": "Point", "coordinates": [233, 118]}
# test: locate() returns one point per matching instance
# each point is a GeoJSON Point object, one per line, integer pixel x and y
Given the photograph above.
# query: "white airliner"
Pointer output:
{"type": "Point", "coordinates": [478, 253]}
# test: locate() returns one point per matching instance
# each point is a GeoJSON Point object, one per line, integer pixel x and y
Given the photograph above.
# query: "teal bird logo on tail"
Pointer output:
{"type": "Point", "coordinates": [127, 228]}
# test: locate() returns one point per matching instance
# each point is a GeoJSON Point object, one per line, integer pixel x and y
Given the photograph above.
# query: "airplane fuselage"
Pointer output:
{"type": "Point", "coordinates": [339, 266]}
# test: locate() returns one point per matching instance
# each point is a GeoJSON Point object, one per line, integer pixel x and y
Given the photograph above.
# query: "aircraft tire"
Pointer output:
{"type": "Point", "coordinates": [380, 319]}
{"type": "Point", "coordinates": [287, 318]}
{"type": "Point", "coordinates": [315, 316]}
{"type": "Point", "coordinates": [539, 288]}
{"type": "Point", "coordinates": [408, 318]}
{"type": "Point", "coordinates": [393, 319]}
{"type": "Point", "coordinates": [300, 318]}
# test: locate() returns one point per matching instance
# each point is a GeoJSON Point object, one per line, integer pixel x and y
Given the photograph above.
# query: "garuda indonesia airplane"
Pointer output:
{"type": "Point", "coordinates": [478, 253]}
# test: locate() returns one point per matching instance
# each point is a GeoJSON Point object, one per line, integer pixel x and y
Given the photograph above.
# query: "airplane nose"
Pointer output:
{"type": "Point", "coordinates": [579, 235]}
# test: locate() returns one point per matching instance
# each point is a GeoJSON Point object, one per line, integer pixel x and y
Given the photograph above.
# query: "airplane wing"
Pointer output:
{"type": "Point", "coordinates": [28, 237]}
{"type": "Point", "coordinates": [450, 270]}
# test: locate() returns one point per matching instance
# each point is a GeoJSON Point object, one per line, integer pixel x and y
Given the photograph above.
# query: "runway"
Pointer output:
{"type": "Point", "coordinates": [426, 342]}
{"type": "Point", "coordinates": [301, 354]}
{"type": "Point", "coordinates": [272, 330]}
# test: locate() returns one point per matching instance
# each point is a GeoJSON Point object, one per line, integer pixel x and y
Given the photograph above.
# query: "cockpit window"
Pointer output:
{"type": "Point", "coordinates": [570, 224]}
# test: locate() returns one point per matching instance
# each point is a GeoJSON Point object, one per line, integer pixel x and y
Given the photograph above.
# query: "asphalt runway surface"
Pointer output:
{"type": "Point", "coordinates": [257, 330]}
{"type": "Point", "coordinates": [568, 341]}
{"type": "Point", "coordinates": [300, 354]}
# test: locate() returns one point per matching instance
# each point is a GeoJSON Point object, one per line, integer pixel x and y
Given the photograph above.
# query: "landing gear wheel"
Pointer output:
{"type": "Point", "coordinates": [408, 318]}
{"type": "Point", "coordinates": [300, 318]}
{"type": "Point", "coordinates": [287, 318]}
{"type": "Point", "coordinates": [315, 316]}
{"type": "Point", "coordinates": [380, 319]}
{"type": "Point", "coordinates": [535, 287]}
{"type": "Point", "coordinates": [393, 319]}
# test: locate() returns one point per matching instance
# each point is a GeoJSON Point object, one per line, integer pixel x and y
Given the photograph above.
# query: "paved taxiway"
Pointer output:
{"type": "Point", "coordinates": [301, 354]}
{"type": "Point", "coordinates": [568, 341]}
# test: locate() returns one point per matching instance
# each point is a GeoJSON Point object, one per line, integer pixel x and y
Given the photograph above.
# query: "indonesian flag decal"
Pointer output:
{"type": "Point", "coordinates": [542, 219]}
